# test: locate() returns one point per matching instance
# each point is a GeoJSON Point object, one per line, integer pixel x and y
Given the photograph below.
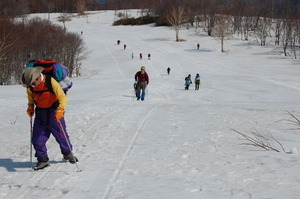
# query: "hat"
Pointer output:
{"type": "Point", "coordinates": [30, 74]}
{"type": "Point", "coordinates": [143, 67]}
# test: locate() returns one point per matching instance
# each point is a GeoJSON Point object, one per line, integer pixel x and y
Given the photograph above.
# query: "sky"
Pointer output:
{"type": "Point", "coordinates": [178, 143]}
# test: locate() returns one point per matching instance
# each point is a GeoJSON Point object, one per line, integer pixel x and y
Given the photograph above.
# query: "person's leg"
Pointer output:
{"type": "Point", "coordinates": [40, 135]}
{"type": "Point", "coordinates": [60, 133]}
{"type": "Point", "coordinates": [143, 87]}
{"type": "Point", "coordinates": [138, 91]}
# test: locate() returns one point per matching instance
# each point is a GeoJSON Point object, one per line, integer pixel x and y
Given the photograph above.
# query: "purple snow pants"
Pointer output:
{"type": "Point", "coordinates": [45, 124]}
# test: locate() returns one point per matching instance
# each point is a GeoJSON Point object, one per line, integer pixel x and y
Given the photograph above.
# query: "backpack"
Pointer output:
{"type": "Point", "coordinates": [53, 69]}
{"type": "Point", "coordinates": [135, 86]}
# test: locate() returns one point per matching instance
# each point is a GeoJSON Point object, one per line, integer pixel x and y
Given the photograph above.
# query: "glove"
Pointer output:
{"type": "Point", "coordinates": [30, 111]}
{"type": "Point", "coordinates": [59, 113]}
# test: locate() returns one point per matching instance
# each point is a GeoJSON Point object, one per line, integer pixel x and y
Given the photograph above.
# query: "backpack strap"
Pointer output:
{"type": "Point", "coordinates": [48, 82]}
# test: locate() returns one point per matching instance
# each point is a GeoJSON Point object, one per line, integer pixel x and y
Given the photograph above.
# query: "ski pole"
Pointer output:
{"type": "Point", "coordinates": [133, 95]}
{"type": "Point", "coordinates": [69, 145]}
{"type": "Point", "coordinates": [147, 93]}
{"type": "Point", "coordinates": [31, 132]}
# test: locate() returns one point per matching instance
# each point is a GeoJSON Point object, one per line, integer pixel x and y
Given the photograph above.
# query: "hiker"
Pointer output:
{"type": "Point", "coordinates": [118, 42]}
{"type": "Point", "coordinates": [141, 56]}
{"type": "Point", "coordinates": [125, 46]}
{"type": "Point", "coordinates": [198, 46]}
{"type": "Point", "coordinates": [197, 82]}
{"type": "Point", "coordinates": [168, 70]}
{"type": "Point", "coordinates": [142, 80]}
{"type": "Point", "coordinates": [188, 82]}
{"type": "Point", "coordinates": [132, 55]}
{"type": "Point", "coordinates": [48, 105]}
{"type": "Point", "coordinates": [149, 56]}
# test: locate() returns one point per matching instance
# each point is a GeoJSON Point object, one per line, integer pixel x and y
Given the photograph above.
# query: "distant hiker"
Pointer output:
{"type": "Point", "coordinates": [149, 56]}
{"type": "Point", "coordinates": [197, 81]}
{"type": "Point", "coordinates": [198, 46]}
{"type": "Point", "coordinates": [118, 42]}
{"type": "Point", "coordinates": [49, 106]}
{"type": "Point", "coordinates": [142, 80]}
{"type": "Point", "coordinates": [141, 56]}
{"type": "Point", "coordinates": [125, 46]}
{"type": "Point", "coordinates": [132, 56]}
{"type": "Point", "coordinates": [81, 32]}
{"type": "Point", "coordinates": [188, 82]}
{"type": "Point", "coordinates": [168, 70]}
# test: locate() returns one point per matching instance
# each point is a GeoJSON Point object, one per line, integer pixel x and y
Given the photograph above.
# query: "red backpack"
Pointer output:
{"type": "Point", "coordinates": [54, 69]}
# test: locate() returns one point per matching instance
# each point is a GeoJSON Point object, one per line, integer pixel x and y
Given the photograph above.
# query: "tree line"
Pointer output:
{"type": "Point", "coordinates": [264, 8]}
{"type": "Point", "coordinates": [263, 20]}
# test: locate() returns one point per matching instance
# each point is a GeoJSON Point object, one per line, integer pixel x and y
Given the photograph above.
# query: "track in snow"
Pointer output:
{"type": "Point", "coordinates": [118, 170]}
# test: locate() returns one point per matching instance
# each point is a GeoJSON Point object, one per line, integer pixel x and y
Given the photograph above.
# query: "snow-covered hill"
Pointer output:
{"type": "Point", "coordinates": [176, 144]}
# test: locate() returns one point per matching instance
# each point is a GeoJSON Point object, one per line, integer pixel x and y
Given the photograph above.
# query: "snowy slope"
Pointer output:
{"type": "Point", "coordinates": [176, 144]}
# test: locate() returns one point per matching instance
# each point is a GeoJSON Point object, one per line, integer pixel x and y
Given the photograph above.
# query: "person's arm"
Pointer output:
{"type": "Point", "coordinates": [60, 94]}
{"type": "Point", "coordinates": [147, 78]}
{"type": "Point", "coordinates": [136, 77]}
{"type": "Point", "coordinates": [30, 97]}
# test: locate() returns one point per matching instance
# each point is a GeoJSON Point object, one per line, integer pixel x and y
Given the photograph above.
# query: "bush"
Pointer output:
{"type": "Point", "coordinates": [162, 21]}
{"type": "Point", "coordinates": [135, 21]}
{"type": "Point", "coordinates": [37, 39]}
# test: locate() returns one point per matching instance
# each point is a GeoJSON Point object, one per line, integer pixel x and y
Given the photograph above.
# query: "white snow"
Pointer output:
{"type": "Point", "coordinates": [177, 144]}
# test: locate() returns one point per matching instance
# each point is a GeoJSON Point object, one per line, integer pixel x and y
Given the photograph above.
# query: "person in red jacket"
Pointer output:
{"type": "Point", "coordinates": [142, 80]}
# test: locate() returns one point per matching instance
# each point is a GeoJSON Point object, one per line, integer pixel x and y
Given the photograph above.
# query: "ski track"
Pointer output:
{"type": "Point", "coordinates": [116, 63]}
{"type": "Point", "coordinates": [125, 156]}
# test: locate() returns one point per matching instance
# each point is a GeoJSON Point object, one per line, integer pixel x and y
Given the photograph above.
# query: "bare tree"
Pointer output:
{"type": "Point", "coordinates": [80, 6]}
{"type": "Point", "coordinates": [7, 43]}
{"type": "Point", "coordinates": [210, 10]}
{"type": "Point", "coordinates": [64, 17]}
{"type": "Point", "coordinates": [177, 16]}
{"type": "Point", "coordinates": [262, 31]}
{"type": "Point", "coordinates": [221, 29]}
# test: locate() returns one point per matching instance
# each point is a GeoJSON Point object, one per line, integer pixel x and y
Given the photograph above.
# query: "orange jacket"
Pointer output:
{"type": "Point", "coordinates": [46, 99]}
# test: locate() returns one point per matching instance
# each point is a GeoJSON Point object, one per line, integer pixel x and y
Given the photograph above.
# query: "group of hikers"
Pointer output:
{"type": "Point", "coordinates": [188, 82]}
{"type": "Point", "coordinates": [142, 80]}
{"type": "Point", "coordinates": [132, 55]}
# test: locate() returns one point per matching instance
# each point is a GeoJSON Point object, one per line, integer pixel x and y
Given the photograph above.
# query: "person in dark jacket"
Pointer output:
{"type": "Point", "coordinates": [197, 82]}
{"type": "Point", "coordinates": [142, 80]}
{"type": "Point", "coordinates": [168, 70]}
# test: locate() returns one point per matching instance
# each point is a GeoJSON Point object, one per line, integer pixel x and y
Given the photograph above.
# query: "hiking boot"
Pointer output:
{"type": "Point", "coordinates": [71, 158]}
{"type": "Point", "coordinates": [138, 98]}
{"type": "Point", "coordinates": [41, 165]}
